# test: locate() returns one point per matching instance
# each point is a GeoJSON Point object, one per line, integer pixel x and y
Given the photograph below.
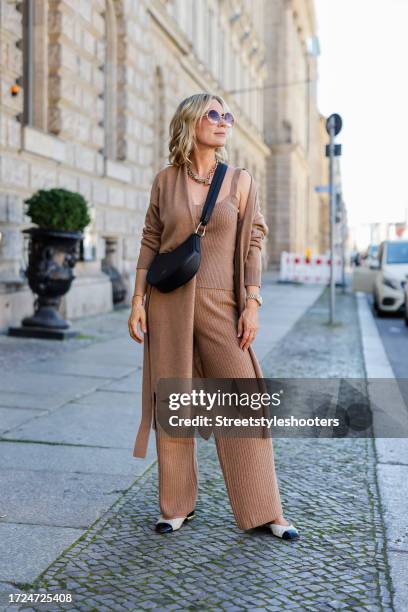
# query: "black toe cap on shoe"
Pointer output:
{"type": "Point", "coordinates": [290, 535]}
{"type": "Point", "coordinates": [164, 528]}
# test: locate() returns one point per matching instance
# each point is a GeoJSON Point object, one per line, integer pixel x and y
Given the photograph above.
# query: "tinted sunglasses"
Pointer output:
{"type": "Point", "coordinates": [215, 118]}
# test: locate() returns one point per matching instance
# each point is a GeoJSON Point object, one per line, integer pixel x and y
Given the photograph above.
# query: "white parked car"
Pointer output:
{"type": "Point", "coordinates": [390, 282]}
{"type": "Point", "coordinates": [372, 255]}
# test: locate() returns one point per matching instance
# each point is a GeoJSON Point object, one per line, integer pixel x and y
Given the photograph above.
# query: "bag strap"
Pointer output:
{"type": "Point", "coordinates": [213, 192]}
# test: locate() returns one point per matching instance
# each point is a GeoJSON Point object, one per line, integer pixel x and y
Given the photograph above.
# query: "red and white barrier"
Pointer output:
{"type": "Point", "coordinates": [314, 269]}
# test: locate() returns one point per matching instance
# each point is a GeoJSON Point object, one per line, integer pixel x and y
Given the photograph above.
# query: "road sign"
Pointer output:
{"type": "Point", "coordinates": [335, 120]}
{"type": "Point", "coordinates": [323, 188]}
{"type": "Point", "coordinates": [336, 152]}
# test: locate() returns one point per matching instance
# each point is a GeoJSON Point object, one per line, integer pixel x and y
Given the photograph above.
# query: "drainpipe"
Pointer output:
{"type": "Point", "coordinates": [28, 61]}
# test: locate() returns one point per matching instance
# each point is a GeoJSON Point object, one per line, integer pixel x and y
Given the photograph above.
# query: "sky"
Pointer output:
{"type": "Point", "coordinates": [363, 76]}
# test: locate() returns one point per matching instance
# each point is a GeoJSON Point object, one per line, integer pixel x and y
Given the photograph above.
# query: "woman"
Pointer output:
{"type": "Point", "coordinates": [204, 328]}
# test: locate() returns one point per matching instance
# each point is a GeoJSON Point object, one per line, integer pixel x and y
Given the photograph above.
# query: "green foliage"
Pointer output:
{"type": "Point", "coordinates": [58, 209]}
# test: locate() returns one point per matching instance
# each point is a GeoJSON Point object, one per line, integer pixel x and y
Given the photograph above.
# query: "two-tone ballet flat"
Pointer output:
{"type": "Point", "coordinates": [286, 532]}
{"type": "Point", "coordinates": [164, 525]}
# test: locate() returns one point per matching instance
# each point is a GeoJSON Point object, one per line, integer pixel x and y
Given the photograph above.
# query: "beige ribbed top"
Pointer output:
{"type": "Point", "coordinates": [216, 269]}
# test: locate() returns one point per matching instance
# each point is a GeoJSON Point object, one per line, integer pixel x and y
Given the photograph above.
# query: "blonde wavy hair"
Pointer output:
{"type": "Point", "coordinates": [183, 124]}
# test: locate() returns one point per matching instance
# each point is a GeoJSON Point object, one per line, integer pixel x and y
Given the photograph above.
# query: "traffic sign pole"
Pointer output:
{"type": "Point", "coordinates": [332, 222]}
{"type": "Point", "coordinates": [333, 127]}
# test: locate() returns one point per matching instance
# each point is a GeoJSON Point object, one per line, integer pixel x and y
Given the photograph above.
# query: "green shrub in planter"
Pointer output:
{"type": "Point", "coordinates": [58, 209]}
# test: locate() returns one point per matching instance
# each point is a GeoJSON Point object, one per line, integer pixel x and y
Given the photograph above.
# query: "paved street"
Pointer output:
{"type": "Point", "coordinates": [394, 335]}
{"type": "Point", "coordinates": [385, 359]}
{"type": "Point", "coordinates": [79, 510]}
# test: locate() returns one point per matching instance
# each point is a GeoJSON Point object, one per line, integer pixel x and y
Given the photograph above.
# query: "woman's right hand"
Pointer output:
{"type": "Point", "coordinates": [137, 315]}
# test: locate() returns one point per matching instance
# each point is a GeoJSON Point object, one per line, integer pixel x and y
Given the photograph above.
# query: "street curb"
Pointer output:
{"type": "Point", "coordinates": [377, 366]}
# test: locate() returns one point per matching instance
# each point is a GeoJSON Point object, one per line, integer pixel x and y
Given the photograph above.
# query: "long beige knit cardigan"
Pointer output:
{"type": "Point", "coordinates": [169, 221]}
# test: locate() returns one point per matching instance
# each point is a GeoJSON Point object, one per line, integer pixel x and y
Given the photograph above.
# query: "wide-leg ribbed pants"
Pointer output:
{"type": "Point", "coordinates": [247, 463]}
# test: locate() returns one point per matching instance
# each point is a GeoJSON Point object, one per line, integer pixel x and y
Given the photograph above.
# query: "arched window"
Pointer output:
{"type": "Point", "coordinates": [35, 63]}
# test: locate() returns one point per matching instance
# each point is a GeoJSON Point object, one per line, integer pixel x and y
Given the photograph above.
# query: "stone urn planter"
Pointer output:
{"type": "Point", "coordinates": [52, 257]}
{"type": "Point", "coordinates": [60, 215]}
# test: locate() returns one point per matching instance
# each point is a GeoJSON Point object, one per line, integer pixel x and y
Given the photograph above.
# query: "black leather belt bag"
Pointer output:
{"type": "Point", "coordinates": [168, 271]}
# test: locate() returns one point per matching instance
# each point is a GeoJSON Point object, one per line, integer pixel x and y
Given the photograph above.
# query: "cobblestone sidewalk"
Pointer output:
{"type": "Point", "coordinates": [96, 328]}
{"type": "Point", "coordinates": [328, 490]}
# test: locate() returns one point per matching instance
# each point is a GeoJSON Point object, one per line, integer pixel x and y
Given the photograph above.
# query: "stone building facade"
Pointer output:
{"type": "Point", "coordinates": [99, 82]}
{"type": "Point", "coordinates": [292, 127]}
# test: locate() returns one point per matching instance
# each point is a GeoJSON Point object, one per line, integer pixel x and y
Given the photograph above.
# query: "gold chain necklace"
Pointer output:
{"type": "Point", "coordinates": [206, 180]}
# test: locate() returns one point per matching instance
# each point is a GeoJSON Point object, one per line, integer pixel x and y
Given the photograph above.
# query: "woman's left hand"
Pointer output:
{"type": "Point", "coordinates": [248, 325]}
